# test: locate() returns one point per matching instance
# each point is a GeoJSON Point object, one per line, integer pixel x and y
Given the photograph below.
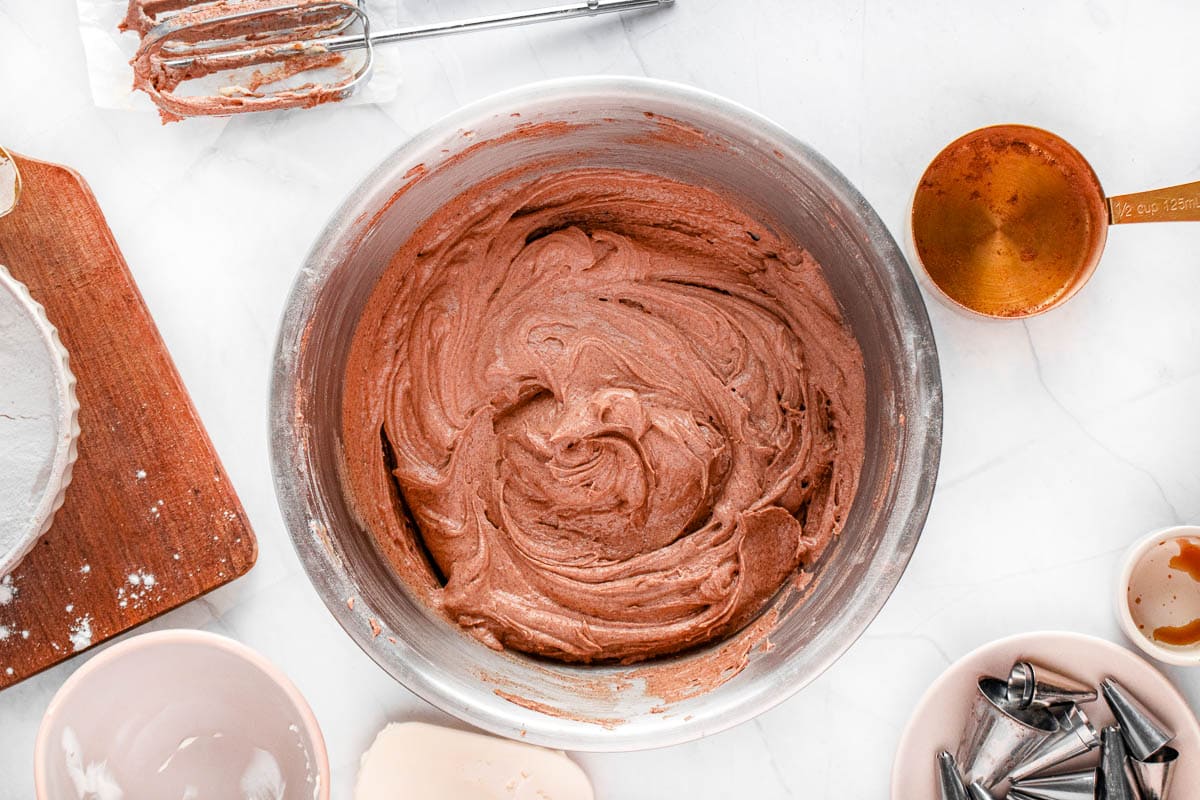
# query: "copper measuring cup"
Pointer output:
{"type": "Point", "coordinates": [1009, 221]}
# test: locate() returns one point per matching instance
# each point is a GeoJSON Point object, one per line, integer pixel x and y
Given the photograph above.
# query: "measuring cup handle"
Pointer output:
{"type": "Point", "coordinates": [1172, 204]}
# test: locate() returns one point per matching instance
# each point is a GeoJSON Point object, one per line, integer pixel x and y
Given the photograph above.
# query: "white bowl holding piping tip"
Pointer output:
{"type": "Point", "coordinates": [180, 713]}
{"type": "Point", "coordinates": [1141, 600]}
{"type": "Point", "coordinates": [39, 422]}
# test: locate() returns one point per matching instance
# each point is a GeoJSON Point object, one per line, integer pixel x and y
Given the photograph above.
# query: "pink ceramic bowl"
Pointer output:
{"type": "Point", "coordinates": [937, 722]}
{"type": "Point", "coordinates": [180, 713]}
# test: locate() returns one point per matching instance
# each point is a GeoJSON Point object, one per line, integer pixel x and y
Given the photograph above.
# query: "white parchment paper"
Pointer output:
{"type": "Point", "coordinates": [108, 52]}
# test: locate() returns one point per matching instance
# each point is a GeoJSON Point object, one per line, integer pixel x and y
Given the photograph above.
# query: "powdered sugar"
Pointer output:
{"type": "Point", "coordinates": [146, 579]}
{"type": "Point", "coordinates": [262, 779]}
{"type": "Point", "coordinates": [141, 585]}
{"type": "Point", "coordinates": [93, 782]}
{"type": "Point", "coordinates": [81, 633]}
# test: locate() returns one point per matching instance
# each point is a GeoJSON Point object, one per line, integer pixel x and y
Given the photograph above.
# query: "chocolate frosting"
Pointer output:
{"type": "Point", "coordinates": [602, 415]}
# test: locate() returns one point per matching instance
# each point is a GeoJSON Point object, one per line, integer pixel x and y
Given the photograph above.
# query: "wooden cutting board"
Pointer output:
{"type": "Point", "coordinates": [150, 520]}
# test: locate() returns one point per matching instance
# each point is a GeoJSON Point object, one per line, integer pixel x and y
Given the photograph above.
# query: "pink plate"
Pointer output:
{"type": "Point", "coordinates": [938, 720]}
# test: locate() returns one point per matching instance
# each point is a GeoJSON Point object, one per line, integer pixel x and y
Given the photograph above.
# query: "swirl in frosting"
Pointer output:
{"type": "Point", "coordinates": [601, 416]}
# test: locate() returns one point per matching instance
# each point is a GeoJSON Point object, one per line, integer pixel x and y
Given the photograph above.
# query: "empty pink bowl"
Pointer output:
{"type": "Point", "coordinates": [180, 714]}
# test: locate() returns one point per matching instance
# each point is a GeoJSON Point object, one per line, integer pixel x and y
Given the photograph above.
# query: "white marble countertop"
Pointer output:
{"type": "Point", "coordinates": [1065, 437]}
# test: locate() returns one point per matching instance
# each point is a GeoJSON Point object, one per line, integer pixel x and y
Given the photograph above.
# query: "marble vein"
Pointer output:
{"type": "Point", "coordinates": [775, 770]}
{"type": "Point", "coordinates": [915, 637]}
{"type": "Point", "coordinates": [1175, 516]}
{"type": "Point", "coordinates": [627, 29]}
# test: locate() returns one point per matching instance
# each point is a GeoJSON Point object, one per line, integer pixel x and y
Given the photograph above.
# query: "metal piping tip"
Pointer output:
{"type": "Point", "coordinates": [1154, 775]}
{"type": "Point", "coordinates": [1076, 736]}
{"type": "Point", "coordinates": [1032, 685]}
{"type": "Point", "coordinates": [977, 791]}
{"type": "Point", "coordinates": [1116, 778]}
{"type": "Point", "coordinates": [1144, 733]}
{"type": "Point", "coordinates": [1069, 786]}
{"type": "Point", "coordinates": [949, 779]}
{"type": "Point", "coordinates": [999, 736]}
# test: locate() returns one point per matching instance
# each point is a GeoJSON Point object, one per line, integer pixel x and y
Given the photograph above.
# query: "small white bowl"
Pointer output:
{"type": "Point", "coordinates": [180, 713]}
{"type": "Point", "coordinates": [40, 421]}
{"type": "Point", "coordinates": [1150, 594]}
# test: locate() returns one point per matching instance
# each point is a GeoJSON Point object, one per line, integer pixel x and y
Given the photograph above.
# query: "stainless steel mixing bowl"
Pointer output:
{"type": "Point", "coordinates": [610, 122]}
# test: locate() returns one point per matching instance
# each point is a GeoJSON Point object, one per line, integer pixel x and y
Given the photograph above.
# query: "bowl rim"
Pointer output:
{"type": "Point", "coordinates": [133, 646]}
{"type": "Point", "coordinates": [1129, 562]}
{"type": "Point", "coordinates": [328, 575]}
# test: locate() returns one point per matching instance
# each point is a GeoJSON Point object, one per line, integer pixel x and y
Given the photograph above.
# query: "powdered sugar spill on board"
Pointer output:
{"type": "Point", "coordinates": [141, 584]}
{"type": "Point", "coordinates": [81, 633]}
{"type": "Point", "coordinates": [8, 592]}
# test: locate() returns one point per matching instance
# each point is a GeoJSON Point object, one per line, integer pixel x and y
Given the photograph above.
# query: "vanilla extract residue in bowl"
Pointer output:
{"type": "Point", "coordinates": [1164, 593]}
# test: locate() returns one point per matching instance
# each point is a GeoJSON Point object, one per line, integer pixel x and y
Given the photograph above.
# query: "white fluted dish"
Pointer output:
{"type": "Point", "coordinates": [39, 421]}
